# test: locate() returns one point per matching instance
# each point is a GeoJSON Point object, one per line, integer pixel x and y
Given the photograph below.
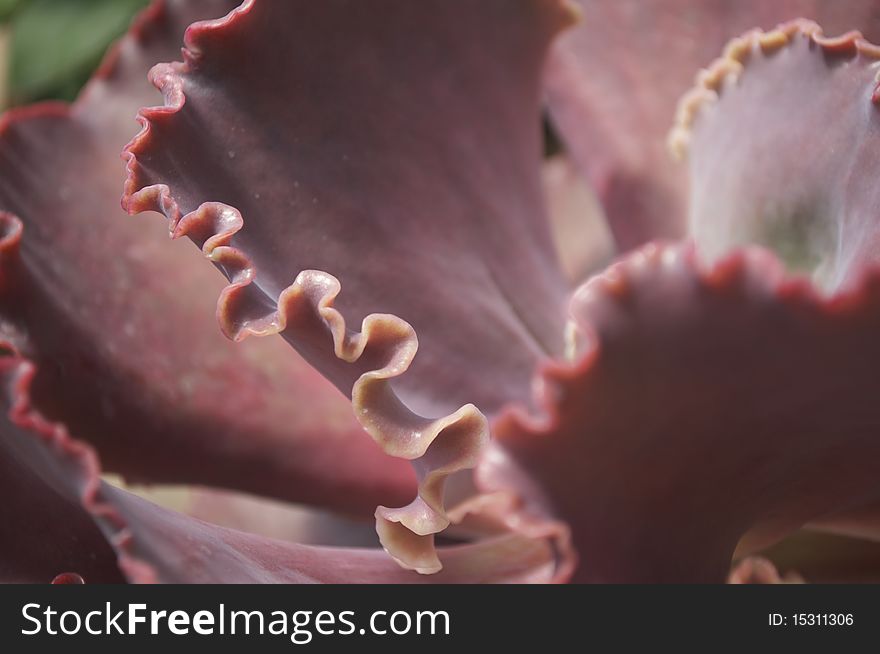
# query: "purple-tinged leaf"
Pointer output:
{"type": "Point", "coordinates": [390, 149]}
{"type": "Point", "coordinates": [705, 404]}
{"type": "Point", "coordinates": [46, 479]}
{"type": "Point", "coordinates": [55, 538]}
{"type": "Point", "coordinates": [120, 321]}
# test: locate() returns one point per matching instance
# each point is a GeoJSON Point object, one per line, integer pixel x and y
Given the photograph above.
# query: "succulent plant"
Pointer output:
{"type": "Point", "coordinates": [397, 328]}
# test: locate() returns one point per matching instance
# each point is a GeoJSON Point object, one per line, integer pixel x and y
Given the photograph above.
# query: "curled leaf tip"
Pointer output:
{"type": "Point", "coordinates": [385, 347]}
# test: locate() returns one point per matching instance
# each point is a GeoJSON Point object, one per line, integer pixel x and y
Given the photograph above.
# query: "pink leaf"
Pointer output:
{"type": "Point", "coordinates": [613, 83]}
{"type": "Point", "coordinates": [783, 151]}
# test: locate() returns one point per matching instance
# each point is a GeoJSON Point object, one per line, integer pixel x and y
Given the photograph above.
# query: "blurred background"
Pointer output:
{"type": "Point", "coordinates": [48, 48]}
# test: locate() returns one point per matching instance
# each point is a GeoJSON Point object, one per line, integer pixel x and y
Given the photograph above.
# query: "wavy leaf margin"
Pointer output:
{"type": "Point", "coordinates": [17, 373]}
{"type": "Point", "coordinates": [730, 66]}
{"type": "Point", "coordinates": [437, 448]}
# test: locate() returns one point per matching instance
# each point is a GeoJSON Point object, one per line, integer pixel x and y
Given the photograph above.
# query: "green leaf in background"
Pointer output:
{"type": "Point", "coordinates": [7, 7]}
{"type": "Point", "coordinates": [56, 44]}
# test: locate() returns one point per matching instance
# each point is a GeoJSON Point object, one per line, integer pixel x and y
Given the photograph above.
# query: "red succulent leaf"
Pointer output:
{"type": "Point", "coordinates": [706, 403]}
{"type": "Point", "coordinates": [614, 81]}
{"type": "Point", "coordinates": [313, 138]}
{"type": "Point", "coordinates": [392, 145]}
{"type": "Point", "coordinates": [120, 321]}
{"type": "Point", "coordinates": [56, 537]}
{"type": "Point", "coordinates": [48, 480]}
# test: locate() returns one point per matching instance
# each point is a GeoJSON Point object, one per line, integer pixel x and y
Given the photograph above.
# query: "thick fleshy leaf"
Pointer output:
{"type": "Point", "coordinates": [47, 480]}
{"type": "Point", "coordinates": [783, 96]}
{"type": "Point", "coordinates": [55, 537]}
{"type": "Point", "coordinates": [614, 81]}
{"type": "Point", "coordinates": [394, 145]}
{"type": "Point", "coordinates": [300, 140]}
{"type": "Point", "coordinates": [120, 321]}
{"type": "Point", "coordinates": [784, 150]}
{"type": "Point", "coordinates": [706, 404]}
